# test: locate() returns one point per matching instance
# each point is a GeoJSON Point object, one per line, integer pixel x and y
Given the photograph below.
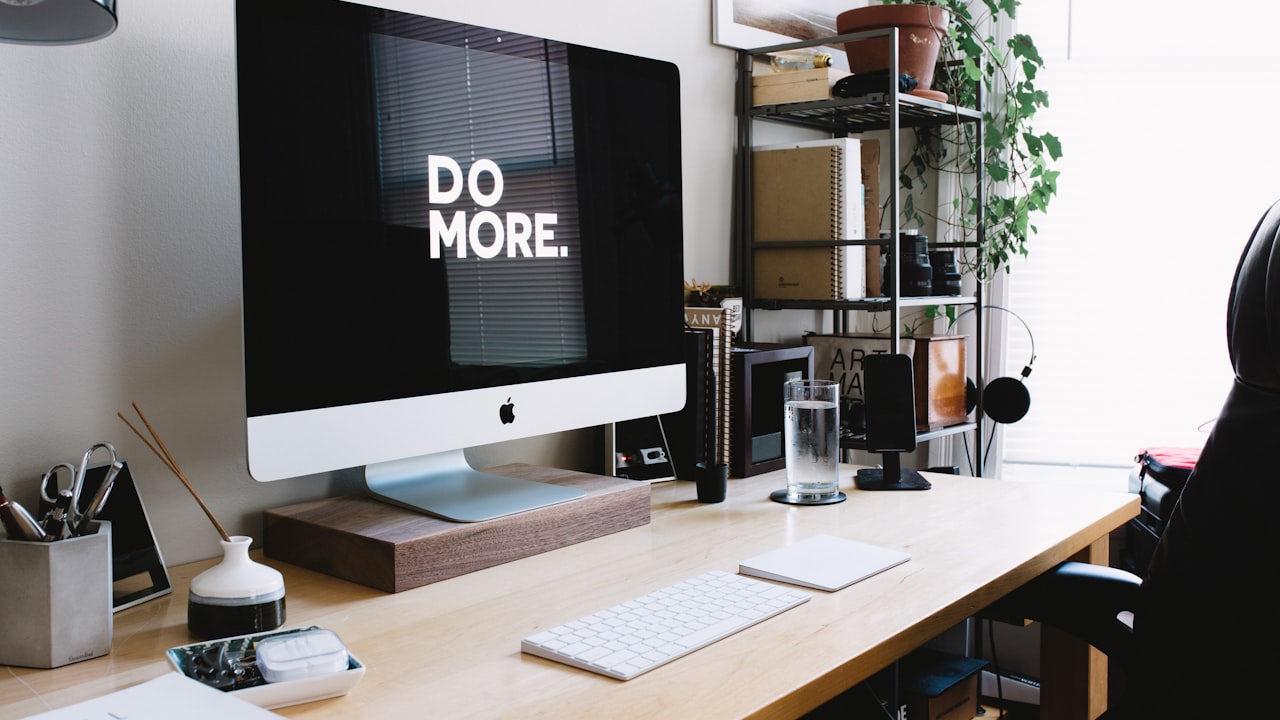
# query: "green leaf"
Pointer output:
{"type": "Point", "coordinates": [1023, 47]}
{"type": "Point", "coordinates": [1052, 144]}
{"type": "Point", "coordinates": [1019, 178]}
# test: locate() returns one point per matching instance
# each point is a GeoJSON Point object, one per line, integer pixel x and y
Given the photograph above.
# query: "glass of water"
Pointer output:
{"type": "Point", "coordinates": [811, 436]}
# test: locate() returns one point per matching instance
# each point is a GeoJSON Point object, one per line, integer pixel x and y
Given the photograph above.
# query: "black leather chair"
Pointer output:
{"type": "Point", "coordinates": [1205, 638]}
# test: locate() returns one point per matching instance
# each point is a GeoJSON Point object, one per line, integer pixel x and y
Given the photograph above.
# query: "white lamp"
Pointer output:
{"type": "Point", "coordinates": [56, 22]}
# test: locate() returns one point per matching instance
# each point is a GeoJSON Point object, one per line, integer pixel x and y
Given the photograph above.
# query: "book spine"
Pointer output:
{"type": "Point", "coordinates": [726, 385]}
{"type": "Point", "coordinates": [836, 224]}
{"type": "Point", "coordinates": [720, 323]}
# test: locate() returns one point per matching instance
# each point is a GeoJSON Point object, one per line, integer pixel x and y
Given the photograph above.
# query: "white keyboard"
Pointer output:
{"type": "Point", "coordinates": [639, 635]}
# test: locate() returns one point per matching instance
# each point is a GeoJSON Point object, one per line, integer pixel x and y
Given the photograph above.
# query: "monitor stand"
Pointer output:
{"type": "Point", "coordinates": [445, 485]}
{"type": "Point", "coordinates": [892, 477]}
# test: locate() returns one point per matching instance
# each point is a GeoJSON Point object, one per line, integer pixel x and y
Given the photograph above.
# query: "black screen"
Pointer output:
{"type": "Point", "coordinates": [365, 279]}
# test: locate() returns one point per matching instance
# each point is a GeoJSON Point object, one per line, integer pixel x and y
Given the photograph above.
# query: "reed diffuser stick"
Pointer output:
{"type": "Point", "coordinates": [167, 458]}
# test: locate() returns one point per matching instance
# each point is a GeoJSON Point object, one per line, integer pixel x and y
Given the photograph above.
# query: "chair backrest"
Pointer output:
{"type": "Point", "coordinates": [1208, 631]}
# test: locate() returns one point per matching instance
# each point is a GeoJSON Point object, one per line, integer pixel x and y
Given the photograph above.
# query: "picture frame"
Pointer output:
{"type": "Point", "coordinates": [745, 24]}
{"type": "Point", "coordinates": [138, 572]}
{"type": "Point", "coordinates": [759, 372]}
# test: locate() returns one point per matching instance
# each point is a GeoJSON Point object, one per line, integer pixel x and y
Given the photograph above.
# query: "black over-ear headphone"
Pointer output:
{"type": "Point", "coordinates": [1005, 399]}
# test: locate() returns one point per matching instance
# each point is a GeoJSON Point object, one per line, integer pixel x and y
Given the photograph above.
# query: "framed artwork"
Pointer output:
{"type": "Point", "coordinates": [757, 23]}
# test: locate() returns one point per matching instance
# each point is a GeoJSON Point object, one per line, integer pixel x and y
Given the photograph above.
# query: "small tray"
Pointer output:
{"type": "Point", "coordinates": [188, 660]}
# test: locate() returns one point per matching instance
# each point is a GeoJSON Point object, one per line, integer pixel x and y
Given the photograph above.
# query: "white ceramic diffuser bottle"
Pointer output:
{"type": "Point", "coordinates": [237, 596]}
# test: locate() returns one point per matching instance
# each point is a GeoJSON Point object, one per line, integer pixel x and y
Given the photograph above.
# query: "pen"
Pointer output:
{"type": "Point", "coordinates": [57, 521]}
{"type": "Point", "coordinates": [18, 523]}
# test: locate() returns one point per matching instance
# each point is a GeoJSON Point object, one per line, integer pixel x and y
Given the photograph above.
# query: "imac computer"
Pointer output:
{"type": "Point", "coordinates": [451, 236]}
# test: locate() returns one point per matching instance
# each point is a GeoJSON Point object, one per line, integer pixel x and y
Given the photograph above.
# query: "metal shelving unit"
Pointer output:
{"type": "Point", "coordinates": [890, 110]}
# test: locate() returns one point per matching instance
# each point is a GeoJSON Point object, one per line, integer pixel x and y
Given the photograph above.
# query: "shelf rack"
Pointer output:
{"type": "Point", "coordinates": [890, 110]}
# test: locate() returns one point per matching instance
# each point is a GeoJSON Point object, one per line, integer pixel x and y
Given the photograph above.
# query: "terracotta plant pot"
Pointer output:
{"type": "Point", "coordinates": [921, 28]}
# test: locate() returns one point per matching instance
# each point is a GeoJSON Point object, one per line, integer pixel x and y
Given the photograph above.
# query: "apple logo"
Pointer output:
{"type": "Point", "coordinates": [507, 412]}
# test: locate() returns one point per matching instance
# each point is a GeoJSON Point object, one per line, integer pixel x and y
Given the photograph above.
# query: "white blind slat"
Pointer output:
{"type": "Point", "coordinates": [443, 93]}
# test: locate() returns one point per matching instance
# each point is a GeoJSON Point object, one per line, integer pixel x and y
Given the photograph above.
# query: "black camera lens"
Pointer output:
{"type": "Point", "coordinates": [946, 272]}
{"type": "Point", "coordinates": [914, 268]}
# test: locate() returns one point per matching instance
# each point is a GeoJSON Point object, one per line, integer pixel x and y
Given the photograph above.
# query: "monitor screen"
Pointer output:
{"type": "Point", "coordinates": [451, 236]}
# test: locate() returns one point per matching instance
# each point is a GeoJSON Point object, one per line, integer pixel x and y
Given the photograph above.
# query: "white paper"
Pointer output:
{"type": "Point", "coordinates": [169, 696]}
{"type": "Point", "coordinates": [824, 562]}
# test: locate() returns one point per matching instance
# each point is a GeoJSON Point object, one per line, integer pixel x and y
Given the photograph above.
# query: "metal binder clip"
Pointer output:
{"type": "Point", "coordinates": [83, 516]}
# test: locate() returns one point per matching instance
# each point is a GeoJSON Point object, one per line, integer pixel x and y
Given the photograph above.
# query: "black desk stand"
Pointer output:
{"type": "Point", "coordinates": [891, 477]}
{"type": "Point", "coordinates": [891, 422]}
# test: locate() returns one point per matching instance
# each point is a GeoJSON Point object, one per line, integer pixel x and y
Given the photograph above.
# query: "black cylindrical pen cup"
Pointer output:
{"type": "Point", "coordinates": [712, 481]}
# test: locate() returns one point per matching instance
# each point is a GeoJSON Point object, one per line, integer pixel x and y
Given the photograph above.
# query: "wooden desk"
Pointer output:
{"type": "Point", "coordinates": [452, 649]}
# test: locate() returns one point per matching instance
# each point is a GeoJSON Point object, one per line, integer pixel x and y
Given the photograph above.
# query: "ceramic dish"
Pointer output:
{"type": "Point", "coordinates": [230, 664]}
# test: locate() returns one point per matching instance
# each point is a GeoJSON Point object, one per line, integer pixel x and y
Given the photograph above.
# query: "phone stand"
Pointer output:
{"type": "Point", "coordinates": [891, 477]}
{"type": "Point", "coordinates": [891, 422]}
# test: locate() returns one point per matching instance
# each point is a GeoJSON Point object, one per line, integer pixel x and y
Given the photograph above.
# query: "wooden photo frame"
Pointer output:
{"type": "Point", "coordinates": [757, 23]}
{"type": "Point", "coordinates": [756, 435]}
{"type": "Point", "coordinates": [138, 570]}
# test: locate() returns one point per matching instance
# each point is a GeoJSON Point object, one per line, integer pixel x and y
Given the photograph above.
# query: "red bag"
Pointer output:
{"type": "Point", "coordinates": [1167, 469]}
{"type": "Point", "coordinates": [1170, 465]}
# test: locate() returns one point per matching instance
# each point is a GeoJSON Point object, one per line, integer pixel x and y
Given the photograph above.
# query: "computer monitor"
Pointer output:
{"type": "Point", "coordinates": [451, 236]}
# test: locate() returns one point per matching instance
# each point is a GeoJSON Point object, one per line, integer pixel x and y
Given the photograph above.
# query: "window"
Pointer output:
{"type": "Point", "coordinates": [1169, 160]}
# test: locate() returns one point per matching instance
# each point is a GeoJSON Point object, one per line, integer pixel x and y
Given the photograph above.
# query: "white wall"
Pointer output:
{"type": "Point", "coordinates": [119, 241]}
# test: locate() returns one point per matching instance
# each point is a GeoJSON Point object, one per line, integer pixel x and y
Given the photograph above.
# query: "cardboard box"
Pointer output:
{"type": "Point", "coordinates": [958, 702]}
{"type": "Point", "coordinates": [794, 86]}
{"type": "Point", "coordinates": [940, 686]}
{"type": "Point", "coordinates": [938, 367]}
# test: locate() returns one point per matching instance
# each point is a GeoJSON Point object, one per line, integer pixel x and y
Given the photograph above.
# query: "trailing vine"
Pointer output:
{"type": "Point", "coordinates": [1017, 160]}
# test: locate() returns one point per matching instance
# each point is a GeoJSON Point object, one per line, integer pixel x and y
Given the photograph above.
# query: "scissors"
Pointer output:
{"type": "Point", "coordinates": [51, 488]}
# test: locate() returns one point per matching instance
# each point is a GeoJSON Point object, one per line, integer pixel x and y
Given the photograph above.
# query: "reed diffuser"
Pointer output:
{"type": "Point", "coordinates": [238, 596]}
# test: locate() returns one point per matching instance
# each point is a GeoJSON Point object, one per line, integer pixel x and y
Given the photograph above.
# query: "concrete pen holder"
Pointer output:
{"type": "Point", "coordinates": [55, 608]}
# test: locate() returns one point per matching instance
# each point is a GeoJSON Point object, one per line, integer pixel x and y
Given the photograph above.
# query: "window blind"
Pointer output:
{"type": "Point", "coordinates": [1126, 283]}
{"type": "Point", "coordinates": [503, 98]}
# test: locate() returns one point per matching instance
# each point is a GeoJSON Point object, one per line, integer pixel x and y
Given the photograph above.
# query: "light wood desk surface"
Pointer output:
{"type": "Point", "coordinates": [452, 649]}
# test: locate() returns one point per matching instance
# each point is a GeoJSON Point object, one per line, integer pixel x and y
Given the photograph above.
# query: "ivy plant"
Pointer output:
{"type": "Point", "coordinates": [1017, 159]}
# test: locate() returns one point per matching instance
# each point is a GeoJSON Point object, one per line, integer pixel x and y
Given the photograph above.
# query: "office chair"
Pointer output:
{"type": "Point", "coordinates": [1205, 639]}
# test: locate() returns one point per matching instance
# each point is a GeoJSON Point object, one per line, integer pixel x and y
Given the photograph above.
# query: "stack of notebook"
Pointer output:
{"type": "Point", "coordinates": [809, 192]}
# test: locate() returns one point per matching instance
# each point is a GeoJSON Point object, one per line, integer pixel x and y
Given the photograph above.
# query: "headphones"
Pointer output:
{"type": "Point", "coordinates": [1005, 399]}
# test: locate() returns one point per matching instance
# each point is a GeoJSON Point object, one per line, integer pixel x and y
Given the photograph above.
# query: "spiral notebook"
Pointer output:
{"type": "Point", "coordinates": [802, 193]}
{"type": "Point", "coordinates": [824, 562]}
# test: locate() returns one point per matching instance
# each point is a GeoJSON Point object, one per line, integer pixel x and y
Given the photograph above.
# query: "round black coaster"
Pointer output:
{"type": "Point", "coordinates": [781, 496]}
